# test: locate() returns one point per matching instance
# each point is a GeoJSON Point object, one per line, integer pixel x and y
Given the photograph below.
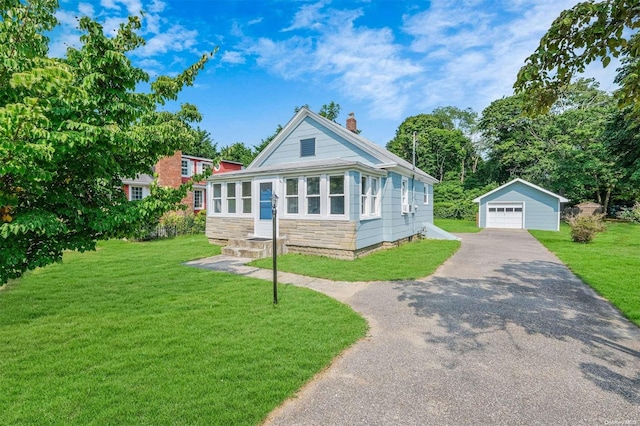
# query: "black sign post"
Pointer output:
{"type": "Point", "coordinates": [274, 249]}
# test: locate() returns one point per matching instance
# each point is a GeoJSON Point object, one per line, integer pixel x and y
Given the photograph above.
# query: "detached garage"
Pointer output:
{"type": "Point", "coordinates": [520, 205]}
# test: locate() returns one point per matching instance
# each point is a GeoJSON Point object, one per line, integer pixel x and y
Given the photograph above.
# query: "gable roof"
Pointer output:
{"type": "Point", "coordinates": [518, 180]}
{"type": "Point", "coordinates": [387, 159]}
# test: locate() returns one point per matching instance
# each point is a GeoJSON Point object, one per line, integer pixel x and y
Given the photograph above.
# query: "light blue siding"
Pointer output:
{"type": "Point", "coordinates": [328, 146]}
{"type": "Point", "coordinates": [541, 210]}
{"type": "Point", "coordinates": [394, 225]}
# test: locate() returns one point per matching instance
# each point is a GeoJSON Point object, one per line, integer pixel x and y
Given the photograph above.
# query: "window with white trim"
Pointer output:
{"type": "Point", "coordinates": [426, 194]}
{"type": "Point", "coordinates": [369, 196]}
{"type": "Point", "coordinates": [135, 193]}
{"type": "Point", "coordinates": [336, 194]}
{"type": "Point", "coordinates": [404, 191]}
{"type": "Point", "coordinates": [313, 195]}
{"type": "Point", "coordinates": [186, 168]}
{"type": "Point", "coordinates": [364, 196]}
{"type": "Point", "coordinates": [198, 199]}
{"type": "Point", "coordinates": [246, 197]}
{"type": "Point", "coordinates": [231, 197]}
{"type": "Point", "coordinates": [373, 198]}
{"type": "Point", "coordinates": [291, 195]}
{"type": "Point", "coordinates": [217, 197]}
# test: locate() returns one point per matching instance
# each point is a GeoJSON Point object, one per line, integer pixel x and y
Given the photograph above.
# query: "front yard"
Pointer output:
{"type": "Point", "coordinates": [127, 335]}
{"type": "Point", "coordinates": [409, 261]}
{"type": "Point", "coordinates": [609, 264]}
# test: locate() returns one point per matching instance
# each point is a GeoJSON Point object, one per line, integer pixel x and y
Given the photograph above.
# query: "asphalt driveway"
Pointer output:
{"type": "Point", "coordinates": [502, 333]}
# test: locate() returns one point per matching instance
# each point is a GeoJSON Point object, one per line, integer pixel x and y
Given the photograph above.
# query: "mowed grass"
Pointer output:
{"type": "Point", "coordinates": [457, 225]}
{"type": "Point", "coordinates": [610, 264]}
{"type": "Point", "coordinates": [127, 335]}
{"type": "Point", "coordinates": [408, 261]}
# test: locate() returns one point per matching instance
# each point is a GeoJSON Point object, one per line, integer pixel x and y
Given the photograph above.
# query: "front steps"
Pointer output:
{"type": "Point", "coordinates": [252, 247]}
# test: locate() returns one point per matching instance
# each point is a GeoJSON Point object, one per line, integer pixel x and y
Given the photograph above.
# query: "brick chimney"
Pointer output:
{"type": "Point", "coordinates": [351, 123]}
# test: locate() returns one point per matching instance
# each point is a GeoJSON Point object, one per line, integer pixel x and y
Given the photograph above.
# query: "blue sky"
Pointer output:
{"type": "Point", "coordinates": [383, 60]}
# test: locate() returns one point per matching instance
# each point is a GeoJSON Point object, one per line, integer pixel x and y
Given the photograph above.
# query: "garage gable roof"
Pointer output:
{"type": "Point", "coordinates": [559, 197]}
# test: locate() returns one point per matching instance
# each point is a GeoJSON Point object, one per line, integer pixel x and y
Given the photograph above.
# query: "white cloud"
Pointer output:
{"type": "Point", "coordinates": [473, 52]}
{"type": "Point", "coordinates": [309, 16]}
{"type": "Point", "coordinates": [233, 57]}
{"type": "Point", "coordinates": [86, 9]}
{"type": "Point", "coordinates": [156, 6]}
{"type": "Point", "coordinates": [175, 39]}
{"type": "Point", "coordinates": [109, 4]}
{"type": "Point", "coordinates": [361, 63]}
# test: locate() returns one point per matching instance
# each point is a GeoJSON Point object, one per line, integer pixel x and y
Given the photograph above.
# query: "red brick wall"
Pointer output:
{"type": "Point", "coordinates": [169, 170]}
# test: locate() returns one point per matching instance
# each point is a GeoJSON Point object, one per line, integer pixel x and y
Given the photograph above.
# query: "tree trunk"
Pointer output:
{"type": "Point", "coordinates": [462, 172]}
{"type": "Point", "coordinates": [605, 206]}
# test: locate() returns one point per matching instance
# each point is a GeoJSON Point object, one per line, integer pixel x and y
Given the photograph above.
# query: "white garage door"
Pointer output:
{"type": "Point", "coordinates": [504, 215]}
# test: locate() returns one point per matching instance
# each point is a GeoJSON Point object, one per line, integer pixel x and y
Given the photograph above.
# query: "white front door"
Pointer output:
{"type": "Point", "coordinates": [505, 215]}
{"type": "Point", "coordinates": [263, 222]}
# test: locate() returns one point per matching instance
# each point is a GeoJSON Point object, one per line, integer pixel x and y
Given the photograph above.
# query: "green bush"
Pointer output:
{"type": "Point", "coordinates": [461, 210]}
{"type": "Point", "coordinates": [172, 225]}
{"type": "Point", "coordinates": [630, 214]}
{"type": "Point", "coordinates": [584, 227]}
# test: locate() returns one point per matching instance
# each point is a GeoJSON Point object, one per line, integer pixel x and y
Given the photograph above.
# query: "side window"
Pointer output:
{"type": "Point", "coordinates": [136, 193]}
{"type": "Point", "coordinates": [186, 169]}
{"type": "Point", "coordinates": [198, 197]}
{"type": "Point", "coordinates": [364, 191]}
{"type": "Point", "coordinates": [426, 194]}
{"type": "Point", "coordinates": [374, 196]}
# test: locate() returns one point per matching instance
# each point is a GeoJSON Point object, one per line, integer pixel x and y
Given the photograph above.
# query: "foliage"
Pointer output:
{"type": "Point", "coordinates": [238, 152]}
{"type": "Point", "coordinates": [71, 129]}
{"type": "Point", "coordinates": [330, 111]}
{"type": "Point", "coordinates": [408, 261]}
{"type": "Point", "coordinates": [202, 146]}
{"type": "Point", "coordinates": [631, 214]}
{"type": "Point", "coordinates": [171, 225]}
{"type": "Point", "coordinates": [128, 335]}
{"type": "Point", "coordinates": [454, 200]}
{"type": "Point", "coordinates": [605, 264]}
{"type": "Point", "coordinates": [585, 226]}
{"type": "Point", "coordinates": [567, 150]}
{"type": "Point", "coordinates": [440, 147]}
{"type": "Point", "coordinates": [580, 35]}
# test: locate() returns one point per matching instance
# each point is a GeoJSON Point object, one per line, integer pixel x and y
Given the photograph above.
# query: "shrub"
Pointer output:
{"type": "Point", "coordinates": [584, 227]}
{"type": "Point", "coordinates": [630, 214]}
{"type": "Point", "coordinates": [461, 210]}
{"type": "Point", "coordinates": [172, 225]}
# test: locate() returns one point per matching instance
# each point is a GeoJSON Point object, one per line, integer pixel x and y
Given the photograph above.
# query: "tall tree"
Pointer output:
{"type": "Point", "coordinates": [70, 130]}
{"type": "Point", "coordinates": [202, 145]}
{"type": "Point", "coordinates": [587, 32]}
{"type": "Point", "coordinates": [439, 147]}
{"type": "Point", "coordinates": [238, 152]}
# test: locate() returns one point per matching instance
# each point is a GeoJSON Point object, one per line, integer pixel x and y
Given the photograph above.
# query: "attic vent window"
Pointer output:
{"type": "Point", "coordinates": [308, 147]}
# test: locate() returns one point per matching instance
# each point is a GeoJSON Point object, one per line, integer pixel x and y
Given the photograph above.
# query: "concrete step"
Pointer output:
{"type": "Point", "coordinates": [254, 248]}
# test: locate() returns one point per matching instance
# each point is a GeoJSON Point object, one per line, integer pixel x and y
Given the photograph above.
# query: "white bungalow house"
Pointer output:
{"type": "Point", "coordinates": [338, 194]}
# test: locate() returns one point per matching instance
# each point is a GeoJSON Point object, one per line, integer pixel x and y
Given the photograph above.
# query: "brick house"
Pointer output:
{"type": "Point", "coordinates": [175, 170]}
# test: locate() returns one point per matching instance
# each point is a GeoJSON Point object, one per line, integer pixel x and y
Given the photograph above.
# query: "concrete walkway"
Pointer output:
{"type": "Point", "coordinates": [502, 333]}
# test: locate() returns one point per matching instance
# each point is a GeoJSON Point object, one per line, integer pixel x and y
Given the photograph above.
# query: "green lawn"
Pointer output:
{"type": "Point", "coordinates": [409, 261]}
{"type": "Point", "coordinates": [609, 264]}
{"type": "Point", "coordinates": [127, 335]}
{"type": "Point", "coordinates": [457, 225]}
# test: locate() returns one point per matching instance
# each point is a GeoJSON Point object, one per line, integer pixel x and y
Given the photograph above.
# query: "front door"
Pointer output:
{"type": "Point", "coordinates": [263, 219]}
